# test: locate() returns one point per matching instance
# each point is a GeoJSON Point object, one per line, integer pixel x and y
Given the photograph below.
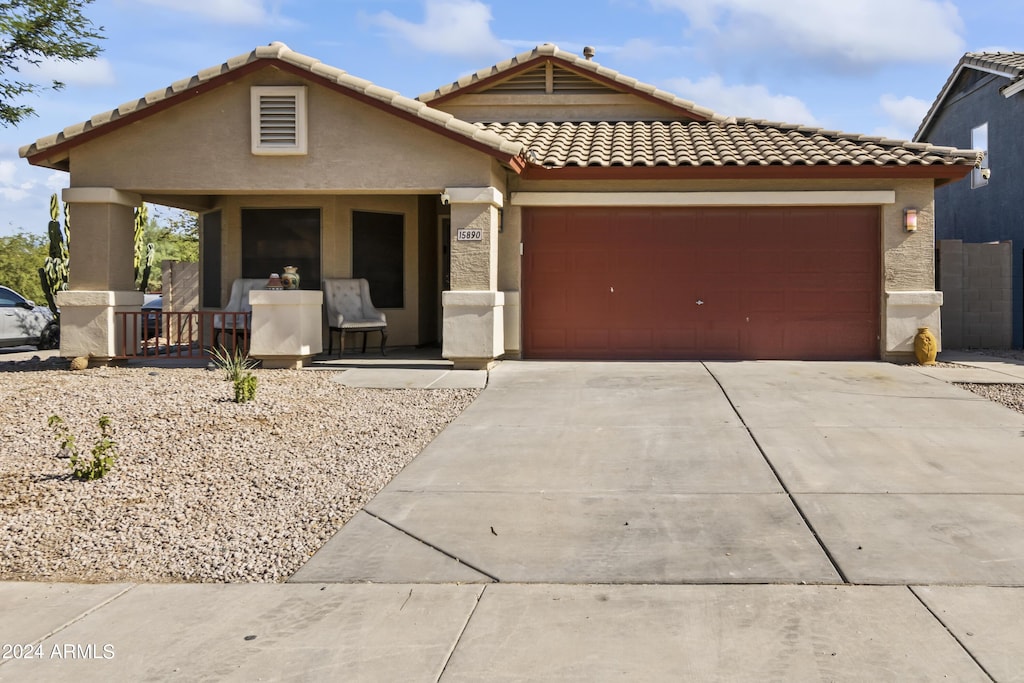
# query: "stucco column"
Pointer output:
{"type": "Point", "coordinates": [101, 271]}
{"type": "Point", "coordinates": [910, 300]}
{"type": "Point", "coordinates": [473, 318]}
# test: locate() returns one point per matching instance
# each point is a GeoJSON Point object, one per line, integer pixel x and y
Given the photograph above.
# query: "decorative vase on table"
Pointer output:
{"type": "Point", "coordinates": [290, 277]}
{"type": "Point", "coordinates": [925, 346]}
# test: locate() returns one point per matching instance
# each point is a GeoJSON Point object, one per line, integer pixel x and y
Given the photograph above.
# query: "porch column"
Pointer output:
{"type": "Point", "coordinates": [473, 317]}
{"type": "Point", "coordinates": [101, 271]}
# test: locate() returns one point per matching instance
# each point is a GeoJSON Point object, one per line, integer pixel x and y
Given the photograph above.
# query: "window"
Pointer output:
{"type": "Point", "coordinates": [278, 119]}
{"type": "Point", "coordinates": [979, 140]}
{"type": "Point", "coordinates": [275, 238]}
{"type": "Point", "coordinates": [210, 235]}
{"type": "Point", "coordinates": [378, 255]}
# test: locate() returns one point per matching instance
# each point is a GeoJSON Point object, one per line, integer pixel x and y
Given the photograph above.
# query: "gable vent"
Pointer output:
{"type": "Point", "coordinates": [550, 79]}
{"type": "Point", "coordinates": [279, 120]}
{"type": "Point", "coordinates": [529, 82]}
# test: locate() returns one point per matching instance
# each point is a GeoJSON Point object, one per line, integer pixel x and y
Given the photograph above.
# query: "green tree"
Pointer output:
{"type": "Point", "coordinates": [34, 30]}
{"type": "Point", "coordinates": [20, 257]}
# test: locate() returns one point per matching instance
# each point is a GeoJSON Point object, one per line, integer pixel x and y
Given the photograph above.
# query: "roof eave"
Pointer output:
{"type": "Point", "coordinates": [57, 156]}
{"type": "Point", "coordinates": [941, 173]}
{"type": "Point", "coordinates": [964, 63]}
{"type": "Point", "coordinates": [1014, 88]}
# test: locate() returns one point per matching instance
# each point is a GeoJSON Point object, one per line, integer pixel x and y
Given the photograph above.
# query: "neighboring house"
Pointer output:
{"type": "Point", "coordinates": [544, 207]}
{"type": "Point", "coordinates": [981, 106]}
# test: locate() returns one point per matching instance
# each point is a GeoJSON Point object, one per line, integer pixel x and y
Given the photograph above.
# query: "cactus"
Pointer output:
{"type": "Point", "coordinates": [144, 253]}
{"type": "Point", "coordinates": [53, 276]}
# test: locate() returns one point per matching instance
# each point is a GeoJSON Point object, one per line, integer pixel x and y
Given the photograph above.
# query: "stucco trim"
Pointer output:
{"type": "Point", "coordinates": [925, 298]}
{"type": "Point", "coordinates": [809, 198]}
{"type": "Point", "coordinates": [475, 195]}
{"type": "Point", "coordinates": [100, 195]}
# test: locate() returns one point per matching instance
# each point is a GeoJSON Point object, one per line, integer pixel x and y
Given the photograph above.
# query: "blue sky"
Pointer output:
{"type": "Point", "coordinates": [861, 66]}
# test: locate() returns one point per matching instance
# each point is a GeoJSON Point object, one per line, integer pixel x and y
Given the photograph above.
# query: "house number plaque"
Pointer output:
{"type": "Point", "coordinates": [468, 235]}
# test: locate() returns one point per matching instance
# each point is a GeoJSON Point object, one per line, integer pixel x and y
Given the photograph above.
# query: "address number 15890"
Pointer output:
{"type": "Point", "coordinates": [469, 235]}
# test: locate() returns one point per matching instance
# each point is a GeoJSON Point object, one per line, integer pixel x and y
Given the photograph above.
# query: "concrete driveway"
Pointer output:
{"type": "Point", "coordinates": [625, 521]}
{"type": "Point", "coordinates": [650, 473]}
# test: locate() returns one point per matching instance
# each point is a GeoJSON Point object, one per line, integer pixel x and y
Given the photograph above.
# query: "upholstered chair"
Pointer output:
{"type": "Point", "coordinates": [350, 309]}
{"type": "Point", "coordinates": [237, 325]}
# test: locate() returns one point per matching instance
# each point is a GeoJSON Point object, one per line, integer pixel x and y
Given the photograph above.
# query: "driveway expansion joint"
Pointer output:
{"type": "Point", "coordinates": [433, 547]}
{"type": "Point", "coordinates": [953, 635]}
{"type": "Point", "coordinates": [778, 477]}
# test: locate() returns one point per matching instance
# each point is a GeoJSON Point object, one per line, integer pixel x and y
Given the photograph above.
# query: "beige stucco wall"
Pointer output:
{"type": "Point", "coordinates": [203, 146]}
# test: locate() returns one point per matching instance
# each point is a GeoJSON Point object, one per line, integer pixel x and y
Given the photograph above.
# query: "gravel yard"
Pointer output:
{"type": "Point", "coordinates": [1010, 395]}
{"type": "Point", "coordinates": [204, 489]}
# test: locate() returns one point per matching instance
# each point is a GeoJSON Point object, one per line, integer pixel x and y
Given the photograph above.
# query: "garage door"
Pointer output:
{"type": "Point", "coordinates": [715, 283]}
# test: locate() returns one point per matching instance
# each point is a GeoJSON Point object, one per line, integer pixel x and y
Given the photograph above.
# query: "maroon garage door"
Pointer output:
{"type": "Point", "coordinates": [768, 283]}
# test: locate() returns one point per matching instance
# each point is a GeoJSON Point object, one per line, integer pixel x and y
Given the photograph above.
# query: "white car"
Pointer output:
{"type": "Point", "coordinates": [23, 323]}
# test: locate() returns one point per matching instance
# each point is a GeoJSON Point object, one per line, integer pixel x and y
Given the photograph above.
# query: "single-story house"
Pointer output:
{"type": "Point", "coordinates": [981, 105]}
{"type": "Point", "coordinates": [543, 207]}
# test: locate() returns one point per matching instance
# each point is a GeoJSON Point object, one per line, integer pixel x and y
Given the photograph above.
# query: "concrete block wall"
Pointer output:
{"type": "Point", "coordinates": [976, 281]}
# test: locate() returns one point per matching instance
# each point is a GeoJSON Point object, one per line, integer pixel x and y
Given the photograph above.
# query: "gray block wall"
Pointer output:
{"type": "Point", "coordinates": [977, 290]}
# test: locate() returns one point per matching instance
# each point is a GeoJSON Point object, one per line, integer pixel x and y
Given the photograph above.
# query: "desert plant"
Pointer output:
{"type": "Point", "coordinates": [53, 276]}
{"type": "Point", "coordinates": [234, 363]}
{"type": "Point", "coordinates": [144, 253]}
{"type": "Point", "coordinates": [245, 388]}
{"type": "Point", "coordinates": [101, 457]}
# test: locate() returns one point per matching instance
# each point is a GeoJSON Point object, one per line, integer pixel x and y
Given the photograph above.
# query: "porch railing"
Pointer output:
{"type": "Point", "coordinates": [185, 334]}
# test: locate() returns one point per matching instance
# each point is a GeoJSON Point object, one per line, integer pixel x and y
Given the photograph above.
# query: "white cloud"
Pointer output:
{"type": "Point", "coordinates": [57, 181]}
{"type": "Point", "coordinates": [903, 116]}
{"type": "Point", "coordinates": [456, 28]}
{"type": "Point", "coordinates": [641, 49]}
{"type": "Point", "coordinates": [7, 170]}
{"type": "Point", "coordinates": [14, 186]}
{"type": "Point", "coordinates": [11, 188]}
{"type": "Point", "coordinates": [93, 72]}
{"type": "Point", "coordinates": [245, 12]}
{"type": "Point", "coordinates": [843, 35]}
{"type": "Point", "coordinates": [752, 101]}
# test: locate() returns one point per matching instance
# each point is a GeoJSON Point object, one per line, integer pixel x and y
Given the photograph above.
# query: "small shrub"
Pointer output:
{"type": "Point", "coordinates": [101, 456]}
{"type": "Point", "coordinates": [245, 388]}
{"type": "Point", "coordinates": [233, 363]}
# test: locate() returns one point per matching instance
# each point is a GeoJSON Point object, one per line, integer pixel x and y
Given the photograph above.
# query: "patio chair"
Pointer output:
{"type": "Point", "coordinates": [350, 309]}
{"type": "Point", "coordinates": [237, 325]}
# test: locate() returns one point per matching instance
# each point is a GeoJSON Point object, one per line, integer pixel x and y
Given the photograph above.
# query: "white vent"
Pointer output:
{"type": "Point", "coordinates": [279, 120]}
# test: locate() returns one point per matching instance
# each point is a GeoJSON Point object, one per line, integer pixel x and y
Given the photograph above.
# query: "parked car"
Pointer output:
{"type": "Point", "coordinates": [152, 325]}
{"type": "Point", "coordinates": [23, 323]}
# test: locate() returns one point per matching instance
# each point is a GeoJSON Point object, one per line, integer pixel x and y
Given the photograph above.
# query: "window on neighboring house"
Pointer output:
{"type": "Point", "coordinates": [979, 140]}
{"type": "Point", "coordinates": [378, 254]}
{"type": "Point", "coordinates": [278, 119]}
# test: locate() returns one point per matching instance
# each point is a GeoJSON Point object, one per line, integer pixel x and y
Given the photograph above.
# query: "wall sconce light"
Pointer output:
{"type": "Point", "coordinates": [501, 220]}
{"type": "Point", "coordinates": [910, 220]}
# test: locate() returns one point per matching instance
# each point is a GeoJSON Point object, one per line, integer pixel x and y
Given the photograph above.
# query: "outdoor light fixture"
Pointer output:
{"type": "Point", "coordinates": [910, 220]}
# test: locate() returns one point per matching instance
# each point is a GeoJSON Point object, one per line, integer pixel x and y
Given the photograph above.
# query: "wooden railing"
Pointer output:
{"type": "Point", "coordinates": [173, 334]}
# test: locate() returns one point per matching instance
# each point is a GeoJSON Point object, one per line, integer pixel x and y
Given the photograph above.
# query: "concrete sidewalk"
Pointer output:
{"type": "Point", "coordinates": [632, 521]}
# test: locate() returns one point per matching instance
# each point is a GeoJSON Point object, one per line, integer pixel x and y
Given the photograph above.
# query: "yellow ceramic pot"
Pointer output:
{"type": "Point", "coordinates": [925, 346]}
